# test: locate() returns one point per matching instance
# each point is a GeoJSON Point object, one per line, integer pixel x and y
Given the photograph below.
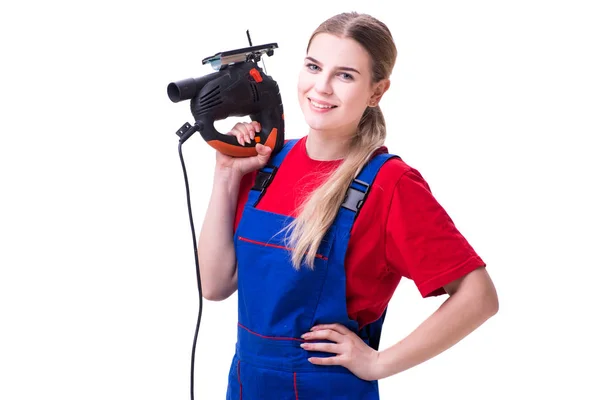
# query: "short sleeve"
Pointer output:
{"type": "Point", "coordinates": [246, 184]}
{"type": "Point", "coordinates": [422, 242]}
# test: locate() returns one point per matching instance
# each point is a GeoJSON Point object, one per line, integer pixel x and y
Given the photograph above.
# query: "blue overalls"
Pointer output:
{"type": "Point", "coordinates": [277, 304]}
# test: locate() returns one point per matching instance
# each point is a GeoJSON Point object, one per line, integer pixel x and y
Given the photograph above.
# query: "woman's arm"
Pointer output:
{"type": "Point", "coordinates": [216, 252]}
{"type": "Point", "coordinates": [473, 300]}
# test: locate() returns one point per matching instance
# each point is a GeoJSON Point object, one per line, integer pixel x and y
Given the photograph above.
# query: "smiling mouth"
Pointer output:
{"type": "Point", "coordinates": [320, 106]}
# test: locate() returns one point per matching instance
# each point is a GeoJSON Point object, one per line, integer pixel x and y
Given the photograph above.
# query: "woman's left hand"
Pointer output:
{"type": "Point", "coordinates": [351, 352]}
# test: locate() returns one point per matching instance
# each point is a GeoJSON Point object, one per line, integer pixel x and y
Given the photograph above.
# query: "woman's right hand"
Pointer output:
{"type": "Point", "coordinates": [244, 132]}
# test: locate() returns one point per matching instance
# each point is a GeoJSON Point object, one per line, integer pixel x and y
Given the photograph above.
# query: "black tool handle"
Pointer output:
{"type": "Point", "coordinates": [271, 134]}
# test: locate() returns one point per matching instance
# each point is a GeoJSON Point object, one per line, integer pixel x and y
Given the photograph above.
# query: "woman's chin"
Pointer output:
{"type": "Point", "coordinates": [317, 124]}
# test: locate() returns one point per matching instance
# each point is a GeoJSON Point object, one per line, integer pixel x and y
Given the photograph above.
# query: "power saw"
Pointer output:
{"type": "Point", "coordinates": [238, 88]}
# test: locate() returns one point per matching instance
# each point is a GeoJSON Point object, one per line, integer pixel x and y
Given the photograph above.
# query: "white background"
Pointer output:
{"type": "Point", "coordinates": [495, 103]}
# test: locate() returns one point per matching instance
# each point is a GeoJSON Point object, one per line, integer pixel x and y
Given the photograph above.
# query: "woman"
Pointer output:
{"type": "Point", "coordinates": [317, 253]}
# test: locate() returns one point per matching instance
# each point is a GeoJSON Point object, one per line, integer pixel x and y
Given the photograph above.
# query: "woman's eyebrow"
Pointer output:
{"type": "Point", "coordinates": [340, 68]}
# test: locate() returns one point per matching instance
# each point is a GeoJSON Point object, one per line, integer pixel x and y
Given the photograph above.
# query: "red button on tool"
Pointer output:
{"type": "Point", "coordinates": [256, 75]}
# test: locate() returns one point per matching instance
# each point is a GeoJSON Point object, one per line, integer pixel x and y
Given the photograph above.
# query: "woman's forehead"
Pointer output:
{"type": "Point", "coordinates": [333, 51]}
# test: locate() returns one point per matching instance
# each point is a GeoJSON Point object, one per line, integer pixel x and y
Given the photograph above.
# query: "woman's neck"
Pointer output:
{"type": "Point", "coordinates": [326, 148]}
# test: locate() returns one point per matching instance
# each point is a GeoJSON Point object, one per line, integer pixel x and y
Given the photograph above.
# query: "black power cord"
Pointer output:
{"type": "Point", "coordinates": [184, 133]}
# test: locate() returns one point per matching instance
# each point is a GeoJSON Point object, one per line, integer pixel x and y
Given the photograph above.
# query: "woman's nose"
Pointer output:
{"type": "Point", "coordinates": [323, 84]}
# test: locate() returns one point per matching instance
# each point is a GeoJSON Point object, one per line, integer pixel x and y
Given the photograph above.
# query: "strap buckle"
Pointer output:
{"type": "Point", "coordinates": [264, 179]}
{"type": "Point", "coordinates": [355, 198]}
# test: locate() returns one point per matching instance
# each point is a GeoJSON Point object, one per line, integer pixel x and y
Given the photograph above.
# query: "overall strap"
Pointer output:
{"type": "Point", "coordinates": [266, 174]}
{"type": "Point", "coordinates": [355, 198]}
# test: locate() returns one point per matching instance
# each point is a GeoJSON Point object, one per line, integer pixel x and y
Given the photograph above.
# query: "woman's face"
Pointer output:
{"type": "Point", "coordinates": [334, 85]}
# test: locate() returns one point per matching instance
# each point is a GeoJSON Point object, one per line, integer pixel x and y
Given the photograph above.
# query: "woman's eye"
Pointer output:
{"type": "Point", "coordinates": [344, 75]}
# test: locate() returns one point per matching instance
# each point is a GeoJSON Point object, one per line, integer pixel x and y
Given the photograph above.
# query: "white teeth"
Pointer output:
{"type": "Point", "coordinates": [319, 105]}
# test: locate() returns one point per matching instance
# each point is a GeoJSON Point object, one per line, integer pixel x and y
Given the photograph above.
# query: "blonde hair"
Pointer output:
{"type": "Point", "coordinates": [319, 210]}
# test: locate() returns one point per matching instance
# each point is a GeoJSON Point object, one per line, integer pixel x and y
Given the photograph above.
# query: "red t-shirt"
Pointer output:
{"type": "Point", "coordinates": [400, 231]}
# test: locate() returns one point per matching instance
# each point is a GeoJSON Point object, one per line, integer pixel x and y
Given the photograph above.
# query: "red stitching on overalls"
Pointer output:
{"type": "Point", "coordinates": [270, 337]}
{"type": "Point", "coordinates": [239, 378]}
{"type": "Point", "coordinates": [295, 386]}
{"type": "Point", "coordinates": [275, 246]}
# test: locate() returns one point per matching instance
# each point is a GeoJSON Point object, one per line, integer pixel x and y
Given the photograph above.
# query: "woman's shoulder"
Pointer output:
{"type": "Point", "coordinates": [393, 169]}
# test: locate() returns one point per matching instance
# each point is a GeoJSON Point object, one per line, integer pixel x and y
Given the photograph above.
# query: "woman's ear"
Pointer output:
{"type": "Point", "coordinates": [378, 91]}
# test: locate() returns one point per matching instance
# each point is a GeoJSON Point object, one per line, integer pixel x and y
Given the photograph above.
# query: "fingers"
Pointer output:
{"type": "Point", "coordinates": [334, 360]}
{"type": "Point", "coordinates": [332, 332]}
{"type": "Point", "coordinates": [325, 347]}
{"type": "Point", "coordinates": [245, 131]}
{"type": "Point", "coordinates": [263, 150]}
{"type": "Point", "coordinates": [240, 131]}
{"type": "Point", "coordinates": [334, 327]}
{"type": "Point", "coordinates": [263, 154]}
{"type": "Point", "coordinates": [325, 333]}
